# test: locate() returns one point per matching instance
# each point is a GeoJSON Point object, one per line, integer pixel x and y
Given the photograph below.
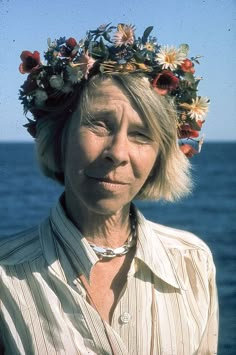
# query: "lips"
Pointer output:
{"type": "Point", "coordinates": [108, 179]}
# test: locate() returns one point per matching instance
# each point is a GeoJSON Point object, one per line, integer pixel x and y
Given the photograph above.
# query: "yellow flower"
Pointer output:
{"type": "Point", "coordinates": [149, 46]}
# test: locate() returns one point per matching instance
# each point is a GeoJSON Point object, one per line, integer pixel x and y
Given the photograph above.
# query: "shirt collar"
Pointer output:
{"type": "Point", "coordinates": [153, 252]}
{"type": "Point", "coordinates": [69, 243]}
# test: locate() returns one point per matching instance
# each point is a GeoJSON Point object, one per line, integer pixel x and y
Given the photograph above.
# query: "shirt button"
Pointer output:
{"type": "Point", "coordinates": [125, 317]}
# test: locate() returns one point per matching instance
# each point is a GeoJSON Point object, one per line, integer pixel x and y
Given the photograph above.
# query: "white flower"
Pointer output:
{"type": "Point", "coordinates": [170, 57]}
{"type": "Point", "coordinates": [198, 108]}
{"type": "Point", "coordinates": [75, 74]}
{"type": "Point", "coordinates": [124, 35]}
{"type": "Point", "coordinates": [40, 96]}
{"type": "Point", "coordinates": [56, 82]}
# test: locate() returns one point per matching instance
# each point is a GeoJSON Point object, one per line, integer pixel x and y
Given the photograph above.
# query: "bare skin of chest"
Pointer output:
{"type": "Point", "coordinates": [107, 280]}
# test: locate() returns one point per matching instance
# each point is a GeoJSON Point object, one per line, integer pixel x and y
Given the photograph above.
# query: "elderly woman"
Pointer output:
{"type": "Point", "coordinates": [96, 277]}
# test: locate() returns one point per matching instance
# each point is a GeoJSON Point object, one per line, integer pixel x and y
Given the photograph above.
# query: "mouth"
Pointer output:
{"type": "Point", "coordinates": [108, 180]}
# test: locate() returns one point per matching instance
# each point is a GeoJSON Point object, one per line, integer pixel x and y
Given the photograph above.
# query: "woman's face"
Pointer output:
{"type": "Point", "coordinates": [109, 154]}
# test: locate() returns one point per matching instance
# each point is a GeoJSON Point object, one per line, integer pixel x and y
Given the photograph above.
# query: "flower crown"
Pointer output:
{"type": "Point", "coordinates": [110, 49]}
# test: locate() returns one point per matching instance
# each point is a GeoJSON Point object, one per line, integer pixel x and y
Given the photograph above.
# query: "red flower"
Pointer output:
{"type": "Point", "coordinates": [188, 150]}
{"type": "Point", "coordinates": [68, 49]}
{"type": "Point", "coordinates": [71, 42]}
{"type": "Point", "coordinates": [187, 66]}
{"type": "Point", "coordinates": [165, 82]}
{"type": "Point", "coordinates": [186, 131]}
{"type": "Point", "coordinates": [200, 123]}
{"type": "Point", "coordinates": [30, 61]}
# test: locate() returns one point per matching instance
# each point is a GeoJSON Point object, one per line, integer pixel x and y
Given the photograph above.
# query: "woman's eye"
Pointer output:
{"type": "Point", "coordinates": [100, 127]}
{"type": "Point", "coordinates": [99, 124]}
{"type": "Point", "coordinates": [141, 137]}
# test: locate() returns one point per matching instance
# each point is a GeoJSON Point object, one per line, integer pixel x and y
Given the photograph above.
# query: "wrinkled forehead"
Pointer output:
{"type": "Point", "coordinates": [102, 92]}
{"type": "Point", "coordinates": [107, 94]}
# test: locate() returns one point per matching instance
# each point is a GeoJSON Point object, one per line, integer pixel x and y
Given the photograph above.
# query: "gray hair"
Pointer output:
{"type": "Point", "coordinates": [170, 177]}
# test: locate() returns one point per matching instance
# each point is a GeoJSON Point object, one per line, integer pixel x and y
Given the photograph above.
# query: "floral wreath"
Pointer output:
{"type": "Point", "coordinates": [110, 49]}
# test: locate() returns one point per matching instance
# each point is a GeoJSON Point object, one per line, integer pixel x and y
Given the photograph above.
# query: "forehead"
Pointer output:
{"type": "Point", "coordinates": [106, 92]}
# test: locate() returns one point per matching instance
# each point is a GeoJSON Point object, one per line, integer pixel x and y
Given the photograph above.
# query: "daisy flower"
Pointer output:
{"type": "Point", "coordinates": [198, 108]}
{"type": "Point", "coordinates": [170, 57]}
{"type": "Point", "coordinates": [124, 35]}
{"type": "Point", "coordinates": [150, 46]}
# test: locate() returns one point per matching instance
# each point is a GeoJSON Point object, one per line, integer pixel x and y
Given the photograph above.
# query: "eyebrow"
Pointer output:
{"type": "Point", "coordinates": [106, 114]}
{"type": "Point", "coordinates": [98, 112]}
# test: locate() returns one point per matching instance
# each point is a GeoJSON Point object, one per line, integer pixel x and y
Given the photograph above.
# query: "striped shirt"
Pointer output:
{"type": "Point", "coordinates": [168, 305]}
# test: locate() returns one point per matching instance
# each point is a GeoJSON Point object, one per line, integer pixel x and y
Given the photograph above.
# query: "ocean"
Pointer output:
{"type": "Point", "coordinates": [210, 212]}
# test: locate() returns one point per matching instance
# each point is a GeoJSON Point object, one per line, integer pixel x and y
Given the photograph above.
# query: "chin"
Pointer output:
{"type": "Point", "coordinates": [106, 207]}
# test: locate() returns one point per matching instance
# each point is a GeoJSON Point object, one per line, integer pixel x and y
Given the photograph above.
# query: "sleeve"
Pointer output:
{"type": "Point", "coordinates": [209, 342]}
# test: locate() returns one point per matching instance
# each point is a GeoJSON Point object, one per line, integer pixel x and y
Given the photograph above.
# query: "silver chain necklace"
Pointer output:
{"type": "Point", "coordinates": [104, 252]}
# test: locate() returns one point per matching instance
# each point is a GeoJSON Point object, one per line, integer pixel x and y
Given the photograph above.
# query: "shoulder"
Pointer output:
{"type": "Point", "coordinates": [177, 238]}
{"type": "Point", "coordinates": [184, 244]}
{"type": "Point", "coordinates": [20, 247]}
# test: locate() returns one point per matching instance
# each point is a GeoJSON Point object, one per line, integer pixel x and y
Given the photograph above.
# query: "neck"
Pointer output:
{"type": "Point", "coordinates": [108, 230]}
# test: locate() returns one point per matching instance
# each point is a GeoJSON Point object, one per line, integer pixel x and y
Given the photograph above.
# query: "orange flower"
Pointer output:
{"type": "Point", "coordinates": [187, 66]}
{"type": "Point", "coordinates": [165, 82]}
{"type": "Point", "coordinates": [30, 61]}
{"type": "Point", "coordinates": [188, 150]}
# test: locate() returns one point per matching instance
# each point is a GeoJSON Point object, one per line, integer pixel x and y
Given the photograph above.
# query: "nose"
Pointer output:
{"type": "Point", "coordinates": [116, 150]}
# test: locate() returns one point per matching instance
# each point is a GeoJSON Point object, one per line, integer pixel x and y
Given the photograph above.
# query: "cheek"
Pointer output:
{"type": "Point", "coordinates": [145, 162]}
{"type": "Point", "coordinates": [90, 147]}
{"type": "Point", "coordinates": [83, 150]}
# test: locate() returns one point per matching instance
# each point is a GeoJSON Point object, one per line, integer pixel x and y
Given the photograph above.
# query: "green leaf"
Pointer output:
{"type": "Point", "coordinates": [102, 44]}
{"type": "Point", "coordinates": [184, 48]}
{"type": "Point", "coordinates": [196, 83]}
{"type": "Point", "coordinates": [139, 57]}
{"type": "Point", "coordinates": [107, 37]}
{"type": "Point", "coordinates": [146, 33]}
{"type": "Point", "coordinates": [189, 77]}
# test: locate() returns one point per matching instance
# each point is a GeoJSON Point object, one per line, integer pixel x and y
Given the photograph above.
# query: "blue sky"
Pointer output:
{"type": "Point", "coordinates": [208, 26]}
